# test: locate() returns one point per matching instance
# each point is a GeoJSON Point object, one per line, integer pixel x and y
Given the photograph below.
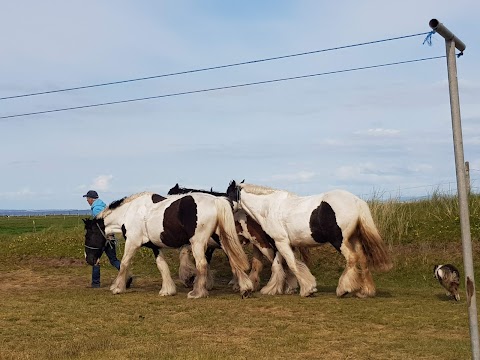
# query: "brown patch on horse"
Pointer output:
{"type": "Point", "coordinates": [324, 227]}
{"type": "Point", "coordinates": [157, 198]}
{"type": "Point", "coordinates": [179, 222]}
{"type": "Point", "coordinates": [264, 240]}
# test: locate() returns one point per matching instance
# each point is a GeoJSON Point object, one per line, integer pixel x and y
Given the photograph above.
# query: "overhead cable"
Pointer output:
{"type": "Point", "coordinates": [221, 87]}
{"type": "Point", "coordinates": [208, 68]}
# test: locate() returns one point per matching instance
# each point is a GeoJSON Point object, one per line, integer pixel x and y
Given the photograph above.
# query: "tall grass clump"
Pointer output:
{"type": "Point", "coordinates": [393, 219]}
{"type": "Point", "coordinates": [434, 219]}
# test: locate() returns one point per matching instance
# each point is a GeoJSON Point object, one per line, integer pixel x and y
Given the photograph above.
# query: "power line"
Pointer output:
{"type": "Point", "coordinates": [210, 68]}
{"type": "Point", "coordinates": [222, 87]}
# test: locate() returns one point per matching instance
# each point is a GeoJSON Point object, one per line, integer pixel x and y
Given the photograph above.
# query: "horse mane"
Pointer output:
{"type": "Point", "coordinates": [117, 203]}
{"type": "Point", "coordinates": [182, 190]}
{"type": "Point", "coordinates": [259, 189]}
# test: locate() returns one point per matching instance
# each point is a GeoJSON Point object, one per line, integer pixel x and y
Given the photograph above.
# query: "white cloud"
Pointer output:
{"type": "Point", "coordinates": [22, 193]}
{"type": "Point", "coordinates": [379, 132]}
{"type": "Point", "coordinates": [298, 176]}
{"type": "Point", "coordinates": [102, 182]}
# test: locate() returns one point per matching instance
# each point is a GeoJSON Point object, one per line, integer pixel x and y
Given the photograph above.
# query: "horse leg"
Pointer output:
{"type": "Point", "coordinates": [186, 269]}
{"type": "Point", "coordinates": [208, 256]}
{"type": "Point", "coordinates": [308, 284]}
{"type": "Point", "coordinates": [210, 279]}
{"type": "Point", "coordinates": [168, 285]}
{"type": "Point", "coordinates": [350, 281]}
{"type": "Point", "coordinates": [291, 283]}
{"type": "Point", "coordinates": [199, 285]}
{"type": "Point", "coordinates": [276, 282]}
{"type": "Point", "coordinates": [257, 266]}
{"type": "Point", "coordinates": [119, 284]}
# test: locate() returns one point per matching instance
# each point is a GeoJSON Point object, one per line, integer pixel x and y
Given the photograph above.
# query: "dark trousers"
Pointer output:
{"type": "Point", "coordinates": [111, 252]}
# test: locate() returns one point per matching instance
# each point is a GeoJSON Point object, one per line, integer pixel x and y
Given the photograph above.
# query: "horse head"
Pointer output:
{"type": "Point", "coordinates": [94, 240]}
{"type": "Point", "coordinates": [174, 190]}
{"type": "Point", "coordinates": [233, 192]}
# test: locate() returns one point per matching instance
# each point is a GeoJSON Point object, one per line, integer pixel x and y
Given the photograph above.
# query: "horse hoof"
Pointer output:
{"type": "Point", "coordinates": [116, 291]}
{"type": "Point", "coordinates": [308, 293]}
{"type": "Point", "coordinates": [129, 282]}
{"type": "Point", "coordinates": [363, 294]}
{"type": "Point", "coordinates": [267, 291]}
{"type": "Point", "coordinates": [194, 295]}
{"type": "Point", "coordinates": [247, 294]}
{"type": "Point", "coordinates": [290, 291]}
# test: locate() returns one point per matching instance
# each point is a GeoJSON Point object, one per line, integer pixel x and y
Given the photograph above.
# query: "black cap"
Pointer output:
{"type": "Point", "coordinates": [91, 194]}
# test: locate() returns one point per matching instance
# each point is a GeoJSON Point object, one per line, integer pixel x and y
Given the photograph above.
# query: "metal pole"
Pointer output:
{"type": "Point", "coordinates": [452, 42]}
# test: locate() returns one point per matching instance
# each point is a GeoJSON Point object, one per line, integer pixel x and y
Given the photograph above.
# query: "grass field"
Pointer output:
{"type": "Point", "coordinates": [48, 312]}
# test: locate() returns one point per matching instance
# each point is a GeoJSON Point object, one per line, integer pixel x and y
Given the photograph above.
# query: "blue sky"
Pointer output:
{"type": "Point", "coordinates": [370, 132]}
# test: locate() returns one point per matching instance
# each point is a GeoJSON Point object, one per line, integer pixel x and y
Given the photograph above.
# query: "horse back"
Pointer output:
{"type": "Point", "coordinates": [176, 219]}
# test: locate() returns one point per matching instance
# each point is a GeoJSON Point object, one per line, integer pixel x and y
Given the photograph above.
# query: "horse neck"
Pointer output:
{"type": "Point", "coordinates": [116, 218]}
{"type": "Point", "coordinates": [254, 205]}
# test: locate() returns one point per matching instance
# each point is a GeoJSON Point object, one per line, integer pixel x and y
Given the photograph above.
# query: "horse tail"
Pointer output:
{"type": "Point", "coordinates": [372, 243]}
{"type": "Point", "coordinates": [228, 236]}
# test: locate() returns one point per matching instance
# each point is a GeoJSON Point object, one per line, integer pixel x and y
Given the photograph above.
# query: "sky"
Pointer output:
{"type": "Point", "coordinates": [383, 131]}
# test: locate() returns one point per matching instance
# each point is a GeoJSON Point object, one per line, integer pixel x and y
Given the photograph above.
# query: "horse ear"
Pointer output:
{"type": "Point", "coordinates": [231, 186]}
{"type": "Point", "coordinates": [242, 181]}
{"type": "Point", "coordinates": [176, 186]}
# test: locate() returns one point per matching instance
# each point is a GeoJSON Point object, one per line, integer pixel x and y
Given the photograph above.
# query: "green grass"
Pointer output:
{"type": "Point", "coordinates": [16, 225]}
{"type": "Point", "coordinates": [47, 311]}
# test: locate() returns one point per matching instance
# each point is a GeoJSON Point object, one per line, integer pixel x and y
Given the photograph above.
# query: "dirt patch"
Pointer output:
{"type": "Point", "coordinates": [30, 273]}
{"type": "Point", "coordinates": [28, 279]}
{"type": "Point", "coordinates": [50, 262]}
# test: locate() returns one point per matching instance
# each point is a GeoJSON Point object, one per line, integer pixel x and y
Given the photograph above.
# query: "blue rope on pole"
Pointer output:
{"type": "Point", "coordinates": [428, 39]}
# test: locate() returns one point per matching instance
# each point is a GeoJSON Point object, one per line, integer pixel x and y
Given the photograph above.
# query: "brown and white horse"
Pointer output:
{"type": "Point", "coordinates": [251, 232]}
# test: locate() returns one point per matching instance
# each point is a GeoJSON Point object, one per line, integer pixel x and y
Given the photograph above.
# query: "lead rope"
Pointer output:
{"type": "Point", "coordinates": [108, 241]}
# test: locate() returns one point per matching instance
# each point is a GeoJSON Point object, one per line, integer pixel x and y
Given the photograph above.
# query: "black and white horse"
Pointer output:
{"type": "Point", "coordinates": [151, 220]}
{"type": "Point", "coordinates": [336, 217]}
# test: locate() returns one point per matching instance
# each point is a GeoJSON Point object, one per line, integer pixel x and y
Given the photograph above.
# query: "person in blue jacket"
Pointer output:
{"type": "Point", "coordinates": [97, 206]}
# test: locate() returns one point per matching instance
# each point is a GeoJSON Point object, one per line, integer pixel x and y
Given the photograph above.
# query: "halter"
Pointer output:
{"type": "Point", "coordinates": [93, 248]}
{"type": "Point", "coordinates": [107, 243]}
{"type": "Point", "coordinates": [238, 191]}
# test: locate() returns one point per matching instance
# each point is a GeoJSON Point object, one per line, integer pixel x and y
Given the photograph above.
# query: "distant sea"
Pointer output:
{"type": "Point", "coordinates": [44, 212]}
